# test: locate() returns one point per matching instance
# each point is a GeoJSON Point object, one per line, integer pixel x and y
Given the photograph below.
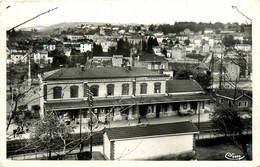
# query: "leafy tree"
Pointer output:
{"type": "Point", "coordinates": [123, 47]}
{"type": "Point", "coordinates": [151, 27]}
{"type": "Point", "coordinates": [204, 80]}
{"type": "Point", "coordinates": [183, 74]}
{"type": "Point", "coordinates": [164, 52]}
{"type": "Point", "coordinates": [50, 133]}
{"type": "Point", "coordinates": [229, 41]}
{"type": "Point", "coordinates": [231, 123]}
{"type": "Point", "coordinates": [187, 41]}
{"type": "Point", "coordinates": [97, 50]}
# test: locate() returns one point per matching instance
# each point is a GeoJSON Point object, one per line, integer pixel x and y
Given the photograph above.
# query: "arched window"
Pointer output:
{"type": "Point", "coordinates": [143, 88]}
{"type": "Point", "coordinates": [157, 87]}
{"type": "Point", "coordinates": [125, 89]}
{"type": "Point", "coordinates": [74, 91]}
{"type": "Point", "coordinates": [110, 89]}
{"type": "Point", "coordinates": [57, 92]}
{"type": "Point", "coordinates": [94, 90]}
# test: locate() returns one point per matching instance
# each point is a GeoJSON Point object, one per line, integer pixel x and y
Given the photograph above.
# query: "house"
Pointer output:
{"type": "Point", "coordinates": [178, 52]}
{"type": "Point", "coordinates": [85, 47]}
{"type": "Point", "coordinates": [151, 62]}
{"type": "Point", "coordinates": [243, 47]}
{"type": "Point", "coordinates": [208, 31]}
{"type": "Point", "coordinates": [149, 142]}
{"type": "Point", "coordinates": [157, 50]}
{"type": "Point", "coordinates": [49, 47]}
{"type": "Point", "coordinates": [235, 98]}
{"type": "Point", "coordinates": [16, 58]}
{"type": "Point", "coordinates": [41, 57]}
{"type": "Point", "coordinates": [118, 93]}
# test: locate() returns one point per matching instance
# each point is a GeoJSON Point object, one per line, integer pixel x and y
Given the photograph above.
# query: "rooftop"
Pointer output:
{"type": "Point", "coordinates": [152, 58]}
{"type": "Point", "coordinates": [119, 101]}
{"type": "Point", "coordinates": [230, 93]}
{"type": "Point", "coordinates": [177, 86]}
{"type": "Point", "coordinates": [151, 130]}
{"type": "Point", "coordinates": [100, 73]}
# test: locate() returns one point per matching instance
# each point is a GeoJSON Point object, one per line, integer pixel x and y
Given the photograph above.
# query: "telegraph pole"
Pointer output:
{"type": "Point", "coordinates": [90, 104]}
{"type": "Point", "coordinates": [220, 71]}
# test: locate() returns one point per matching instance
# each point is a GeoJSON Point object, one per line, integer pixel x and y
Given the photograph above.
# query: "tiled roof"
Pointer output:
{"type": "Point", "coordinates": [152, 58]}
{"type": "Point", "coordinates": [120, 133]}
{"type": "Point", "coordinates": [101, 73]}
{"type": "Point", "coordinates": [230, 93]}
{"type": "Point", "coordinates": [111, 102]}
{"type": "Point", "coordinates": [177, 86]}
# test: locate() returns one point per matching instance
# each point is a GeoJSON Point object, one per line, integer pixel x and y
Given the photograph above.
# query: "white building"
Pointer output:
{"type": "Point", "coordinates": [208, 31]}
{"type": "Point", "coordinates": [84, 47]}
{"type": "Point", "coordinates": [16, 58]}
{"type": "Point", "coordinates": [41, 57]}
{"type": "Point", "coordinates": [49, 47]}
{"type": "Point", "coordinates": [118, 93]}
{"type": "Point", "coordinates": [243, 47]}
{"type": "Point", "coordinates": [149, 142]}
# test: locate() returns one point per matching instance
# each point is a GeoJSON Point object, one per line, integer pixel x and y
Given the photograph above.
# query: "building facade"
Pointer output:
{"type": "Point", "coordinates": [149, 142]}
{"type": "Point", "coordinates": [118, 93]}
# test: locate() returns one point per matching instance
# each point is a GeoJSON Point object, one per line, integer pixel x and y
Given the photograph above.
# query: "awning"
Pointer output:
{"type": "Point", "coordinates": [60, 105]}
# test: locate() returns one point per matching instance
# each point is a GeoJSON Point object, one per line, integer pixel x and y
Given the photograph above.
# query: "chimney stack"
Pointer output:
{"type": "Point", "coordinates": [82, 68]}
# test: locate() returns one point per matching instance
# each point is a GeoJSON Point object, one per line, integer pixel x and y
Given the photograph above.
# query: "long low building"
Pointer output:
{"type": "Point", "coordinates": [118, 93]}
{"type": "Point", "coordinates": [149, 142]}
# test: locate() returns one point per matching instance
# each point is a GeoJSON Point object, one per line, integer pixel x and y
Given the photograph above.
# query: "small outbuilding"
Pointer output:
{"type": "Point", "coordinates": [147, 142]}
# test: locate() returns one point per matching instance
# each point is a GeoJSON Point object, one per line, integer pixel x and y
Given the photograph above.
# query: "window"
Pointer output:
{"type": "Point", "coordinates": [229, 103]}
{"type": "Point", "coordinates": [125, 89]}
{"type": "Point", "coordinates": [157, 88]}
{"type": "Point", "coordinates": [57, 92]}
{"type": "Point", "coordinates": [74, 91]}
{"type": "Point", "coordinates": [143, 88]}
{"type": "Point", "coordinates": [45, 92]}
{"type": "Point", "coordinates": [110, 89]}
{"type": "Point", "coordinates": [94, 90]}
{"type": "Point", "coordinates": [221, 101]}
{"type": "Point", "coordinates": [242, 104]}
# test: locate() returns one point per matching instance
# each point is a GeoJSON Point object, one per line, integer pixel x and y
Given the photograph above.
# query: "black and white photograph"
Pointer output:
{"type": "Point", "coordinates": [166, 81]}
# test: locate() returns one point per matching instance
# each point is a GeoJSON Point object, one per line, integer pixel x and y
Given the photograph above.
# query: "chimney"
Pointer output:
{"type": "Point", "coordinates": [82, 68]}
{"type": "Point", "coordinates": [129, 68]}
{"type": "Point", "coordinates": [191, 77]}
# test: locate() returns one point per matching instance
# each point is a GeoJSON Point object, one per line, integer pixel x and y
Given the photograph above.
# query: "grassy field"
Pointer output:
{"type": "Point", "coordinates": [217, 152]}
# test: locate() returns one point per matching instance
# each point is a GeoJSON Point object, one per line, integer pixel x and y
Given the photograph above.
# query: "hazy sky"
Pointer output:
{"type": "Point", "coordinates": [126, 11]}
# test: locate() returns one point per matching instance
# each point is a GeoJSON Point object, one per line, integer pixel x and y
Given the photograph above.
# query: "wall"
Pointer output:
{"type": "Point", "coordinates": [106, 147]}
{"type": "Point", "coordinates": [152, 147]}
{"type": "Point", "coordinates": [103, 87]}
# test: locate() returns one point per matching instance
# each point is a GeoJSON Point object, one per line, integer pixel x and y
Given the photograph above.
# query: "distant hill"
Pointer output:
{"type": "Point", "coordinates": [66, 25]}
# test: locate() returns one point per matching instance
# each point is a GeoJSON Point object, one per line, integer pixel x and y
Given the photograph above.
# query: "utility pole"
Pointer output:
{"type": "Point", "coordinates": [90, 104]}
{"type": "Point", "coordinates": [81, 144]}
{"type": "Point", "coordinates": [29, 70]}
{"type": "Point", "coordinates": [199, 120]}
{"type": "Point", "coordinates": [212, 70]}
{"type": "Point", "coordinates": [220, 71]}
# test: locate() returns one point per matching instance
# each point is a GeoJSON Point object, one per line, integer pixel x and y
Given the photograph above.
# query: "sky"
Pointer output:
{"type": "Point", "coordinates": [125, 11]}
